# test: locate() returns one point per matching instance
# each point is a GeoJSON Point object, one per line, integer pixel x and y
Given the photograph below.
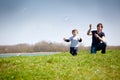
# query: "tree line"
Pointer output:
{"type": "Point", "coordinates": [42, 46]}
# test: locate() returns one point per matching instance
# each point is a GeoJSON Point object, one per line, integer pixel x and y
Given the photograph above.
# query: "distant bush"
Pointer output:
{"type": "Point", "coordinates": [16, 48]}
{"type": "Point", "coordinates": [42, 46]}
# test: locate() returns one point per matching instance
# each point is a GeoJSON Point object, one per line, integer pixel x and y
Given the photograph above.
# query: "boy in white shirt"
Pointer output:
{"type": "Point", "coordinates": [74, 42]}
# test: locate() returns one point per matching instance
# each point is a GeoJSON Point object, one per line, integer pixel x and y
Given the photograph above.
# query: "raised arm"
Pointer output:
{"type": "Point", "coordinates": [89, 31]}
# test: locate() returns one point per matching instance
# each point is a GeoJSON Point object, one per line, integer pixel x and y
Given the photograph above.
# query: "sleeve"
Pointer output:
{"type": "Point", "coordinates": [93, 32]}
{"type": "Point", "coordinates": [80, 40]}
{"type": "Point", "coordinates": [103, 34]}
{"type": "Point", "coordinates": [67, 40]}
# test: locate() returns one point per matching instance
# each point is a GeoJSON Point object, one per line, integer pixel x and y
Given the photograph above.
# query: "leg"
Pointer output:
{"type": "Point", "coordinates": [71, 50]}
{"type": "Point", "coordinates": [93, 49]}
{"type": "Point", "coordinates": [102, 46]}
{"type": "Point", "coordinates": [75, 51]}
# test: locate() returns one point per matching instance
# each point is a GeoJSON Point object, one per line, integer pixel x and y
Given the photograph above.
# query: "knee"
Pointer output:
{"type": "Point", "coordinates": [93, 49]}
{"type": "Point", "coordinates": [104, 44]}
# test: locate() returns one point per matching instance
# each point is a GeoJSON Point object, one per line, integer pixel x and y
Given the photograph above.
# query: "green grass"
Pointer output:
{"type": "Point", "coordinates": [62, 66]}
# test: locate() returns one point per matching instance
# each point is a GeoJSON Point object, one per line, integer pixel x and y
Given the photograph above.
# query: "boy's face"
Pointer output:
{"type": "Point", "coordinates": [75, 33]}
{"type": "Point", "coordinates": [99, 28]}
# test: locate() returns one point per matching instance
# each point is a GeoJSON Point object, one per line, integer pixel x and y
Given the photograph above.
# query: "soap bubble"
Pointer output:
{"type": "Point", "coordinates": [66, 18]}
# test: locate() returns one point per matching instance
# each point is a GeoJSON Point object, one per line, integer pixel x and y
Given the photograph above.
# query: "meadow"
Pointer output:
{"type": "Point", "coordinates": [63, 66]}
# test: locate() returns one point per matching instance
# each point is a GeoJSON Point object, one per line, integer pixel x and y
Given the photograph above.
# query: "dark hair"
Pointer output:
{"type": "Point", "coordinates": [99, 25]}
{"type": "Point", "coordinates": [74, 30]}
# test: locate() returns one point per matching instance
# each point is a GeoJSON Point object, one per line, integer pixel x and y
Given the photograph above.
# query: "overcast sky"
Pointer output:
{"type": "Point", "coordinates": [31, 21]}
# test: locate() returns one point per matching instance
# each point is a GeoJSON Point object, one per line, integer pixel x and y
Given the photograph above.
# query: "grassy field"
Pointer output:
{"type": "Point", "coordinates": [62, 66]}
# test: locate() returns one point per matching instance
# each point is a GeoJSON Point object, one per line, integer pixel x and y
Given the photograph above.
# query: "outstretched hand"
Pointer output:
{"type": "Point", "coordinates": [64, 39]}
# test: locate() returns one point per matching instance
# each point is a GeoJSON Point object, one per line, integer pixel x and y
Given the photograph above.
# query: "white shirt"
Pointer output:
{"type": "Point", "coordinates": [74, 41]}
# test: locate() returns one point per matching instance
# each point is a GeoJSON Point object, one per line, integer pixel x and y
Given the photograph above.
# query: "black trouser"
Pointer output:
{"type": "Point", "coordinates": [100, 46]}
{"type": "Point", "coordinates": [74, 50]}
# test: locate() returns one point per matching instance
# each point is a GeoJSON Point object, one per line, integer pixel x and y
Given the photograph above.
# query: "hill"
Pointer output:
{"type": "Point", "coordinates": [62, 66]}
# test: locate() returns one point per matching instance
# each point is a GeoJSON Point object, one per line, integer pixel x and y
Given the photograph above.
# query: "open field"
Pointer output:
{"type": "Point", "coordinates": [62, 66]}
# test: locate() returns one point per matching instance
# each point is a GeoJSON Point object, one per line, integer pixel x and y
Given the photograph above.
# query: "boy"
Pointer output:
{"type": "Point", "coordinates": [98, 39]}
{"type": "Point", "coordinates": [74, 42]}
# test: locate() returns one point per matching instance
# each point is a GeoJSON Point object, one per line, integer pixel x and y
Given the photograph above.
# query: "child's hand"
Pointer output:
{"type": "Point", "coordinates": [64, 39]}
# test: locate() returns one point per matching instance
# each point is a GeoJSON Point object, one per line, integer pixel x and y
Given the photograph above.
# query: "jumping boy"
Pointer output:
{"type": "Point", "coordinates": [74, 42]}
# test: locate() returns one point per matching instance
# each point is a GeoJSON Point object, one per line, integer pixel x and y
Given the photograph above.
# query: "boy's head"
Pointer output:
{"type": "Point", "coordinates": [99, 27]}
{"type": "Point", "coordinates": [74, 32]}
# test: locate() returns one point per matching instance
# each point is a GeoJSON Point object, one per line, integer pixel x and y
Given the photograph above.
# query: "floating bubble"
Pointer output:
{"type": "Point", "coordinates": [66, 18]}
